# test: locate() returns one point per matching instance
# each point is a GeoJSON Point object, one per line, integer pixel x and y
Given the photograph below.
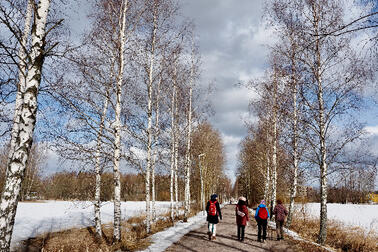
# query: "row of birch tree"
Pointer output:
{"type": "Point", "coordinates": [309, 102]}
{"type": "Point", "coordinates": [124, 98]}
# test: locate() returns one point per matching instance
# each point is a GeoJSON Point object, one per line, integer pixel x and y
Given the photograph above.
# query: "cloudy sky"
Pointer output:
{"type": "Point", "coordinates": [233, 45]}
{"type": "Point", "coordinates": [233, 42]}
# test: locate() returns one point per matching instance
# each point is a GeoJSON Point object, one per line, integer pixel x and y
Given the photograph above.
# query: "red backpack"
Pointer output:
{"type": "Point", "coordinates": [212, 208]}
{"type": "Point", "coordinates": [263, 213]}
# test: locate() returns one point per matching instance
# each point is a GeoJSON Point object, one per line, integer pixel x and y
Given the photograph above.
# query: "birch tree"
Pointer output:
{"type": "Point", "coordinates": [18, 155]}
{"type": "Point", "coordinates": [334, 75]}
{"type": "Point", "coordinates": [189, 138]}
{"type": "Point", "coordinates": [154, 42]}
{"type": "Point", "coordinates": [117, 123]}
{"type": "Point", "coordinates": [286, 26]}
{"type": "Point", "coordinates": [22, 55]}
{"type": "Point", "coordinates": [274, 139]}
{"type": "Point", "coordinates": [173, 181]}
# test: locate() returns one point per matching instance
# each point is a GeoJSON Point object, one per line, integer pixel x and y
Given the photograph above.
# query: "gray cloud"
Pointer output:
{"type": "Point", "coordinates": [231, 39]}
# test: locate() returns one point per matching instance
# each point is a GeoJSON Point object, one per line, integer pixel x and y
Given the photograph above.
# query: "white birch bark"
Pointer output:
{"type": "Point", "coordinates": [117, 125]}
{"type": "Point", "coordinates": [176, 153]}
{"type": "Point", "coordinates": [98, 169]}
{"type": "Point", "coordinates": [188, 147]}
{"type": "Point", "coordinates": [149, 121]}
{"type": "Point", "coordinates": [274, 151]}
{"type": "Point", "coordinates": [22, 70]}
{"type": "Point", "coordinates": [153, 211]}
{"type": "Point", "coordinates": [322, 138]}
{"type": "Point", "coordinates": [173, 141]}
{"type": "Point", "coordinates": [323, 169]}
{"type": "Point", "coordinates": [267, 177]}
{"type": "Point", "coordinates": [293, 191]}
{"type": "Point", "coordinates": [156, 139]}
{"type": "Point", "coordinates": [202, 195]}
{"type": "Point", "coordinates": [24, 135]}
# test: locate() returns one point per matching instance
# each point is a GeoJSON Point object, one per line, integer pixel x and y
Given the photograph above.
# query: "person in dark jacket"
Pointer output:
{"type": "Point", "coordinates": [213, 215]}
{"type": "Point", "coordinates": [262, 221]}
{"type": "Point", "coordinates": [280, 212]}
{"type": "Point", "coordinates": [242, 217]}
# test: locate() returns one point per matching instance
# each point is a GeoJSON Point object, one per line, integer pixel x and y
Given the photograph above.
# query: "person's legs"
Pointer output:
{"type": "Point", "coordinates": [281, 229]}
{"type": "Point", "coordinates": [214, 231]}
{"type": "Point", "coordinates": [278, 229]}
{"type": "Point", "coordinates": [259, 230]}
{"type": "Point", "coordinates": [242, 233]}
{"type": "Point", "coordinates": [239, 228]}
{"type": "Point", "coordinates": [209, 228]}
{"type": "Point", "coordinates": [265, 223]}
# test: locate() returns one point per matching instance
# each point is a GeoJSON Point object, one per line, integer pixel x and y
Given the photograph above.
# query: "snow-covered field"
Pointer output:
{"type": "Point", "coordinates": [33, 219]}
{"type": "Point", "coordinates": [365, 216]}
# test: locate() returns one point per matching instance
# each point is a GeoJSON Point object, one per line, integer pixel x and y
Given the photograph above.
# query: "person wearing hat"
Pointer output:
{"type": "Point", "coordinates": [242, 217]}
{"type": "Point", "coordinates": [213, 215]}
{"type": "Point", "coordinates": [261, 216]}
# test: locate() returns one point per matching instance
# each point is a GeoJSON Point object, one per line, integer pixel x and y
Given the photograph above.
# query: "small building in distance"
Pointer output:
{"type": "Point", "coordinates": [373, 197]}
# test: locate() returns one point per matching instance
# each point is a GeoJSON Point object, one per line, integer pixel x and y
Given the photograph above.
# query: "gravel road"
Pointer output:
{"type": "Point", "coordinates": [197, 240]}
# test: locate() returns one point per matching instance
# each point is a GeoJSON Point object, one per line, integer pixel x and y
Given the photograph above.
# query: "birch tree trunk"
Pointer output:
{"type": "Point", "coordinates": [188, 147]}
{"type": "Point", "coordinates": [117, 125]}
{"type": "Point", "coordinates": [293, 191]}
{"type": "Point", "coordinates": [322, 138]}
{"type": "Point", "coordinates": [176, 152]}
{"type": "Point", "coordinates": [23, 136]}
{"type": "Point", "coordinates": [22, 71]}
{"type": "Point", "coordinates": [156, 136]}
{"type": "Point", "coordinates": [173, 142]}
{"type": "Point", "coordinates": [153, 212]}
{"type": "Point", "coordinates": [274, 154]}
{"type": "Point", "coordinates": [267, 177]}
{"type": "Point", "coordinates": [149, 121]}
{"type": "Point", "coordinates": [98, 169]}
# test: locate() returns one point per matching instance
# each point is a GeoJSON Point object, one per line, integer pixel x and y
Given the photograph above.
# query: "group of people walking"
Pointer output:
{"type": "Point", "coordinates": [242, 218]}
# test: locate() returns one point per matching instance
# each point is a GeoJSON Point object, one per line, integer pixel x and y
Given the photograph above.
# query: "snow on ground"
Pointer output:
{"type": "Point", "coordinates": [36, 218]}
{"type": "Point", "coordinates": [362, 215]}
{"type": "Point", "coordinates": [33, 219]}
{"type": "Point", "coordinates": [164, 239]}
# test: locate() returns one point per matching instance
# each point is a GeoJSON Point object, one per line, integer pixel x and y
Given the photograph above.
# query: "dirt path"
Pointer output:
{"type": "Point", "coordinates": [197, 240]}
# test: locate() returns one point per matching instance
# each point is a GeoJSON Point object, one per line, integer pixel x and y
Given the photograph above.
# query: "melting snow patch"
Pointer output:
{"type": "Point", "coordinates": [166, 238]}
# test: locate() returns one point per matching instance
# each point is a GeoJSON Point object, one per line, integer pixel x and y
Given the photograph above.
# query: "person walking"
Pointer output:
{"type": "Point", "coordinates": [280, 212]}
{"type": "Point", "coordinates": [261, 216]}
{"type": "Point", "coordinates": [242, 217]}
{"type": "Point", "coordinates": [213, 215]}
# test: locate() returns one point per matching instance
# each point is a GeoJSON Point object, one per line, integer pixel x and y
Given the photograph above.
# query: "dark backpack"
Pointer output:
{"type": "Point", "coordinates": [212, 208]}
{"type": "Point", "coordinates": [263, 213]}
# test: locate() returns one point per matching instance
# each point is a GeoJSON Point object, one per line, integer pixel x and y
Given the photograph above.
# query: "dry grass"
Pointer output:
{"type": "Point", "coordinates": [302, 246]}
{"type": "Point", "coordinates": [134, 237]}
{"type": "Point", "coordinates": [339, 236]}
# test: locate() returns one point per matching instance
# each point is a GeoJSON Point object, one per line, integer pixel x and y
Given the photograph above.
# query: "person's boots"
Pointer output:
{"type": "Point", "coordinates": [213, 238]}
{"type": "Point", "coordinates": [209, 234]}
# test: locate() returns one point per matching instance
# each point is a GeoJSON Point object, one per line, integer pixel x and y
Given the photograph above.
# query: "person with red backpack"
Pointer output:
{"type": "Point", "coordinates": [213, 214]}
{"type": "Point", "coordinates": [242, 217]}
{"type": "Point", "coordinates": [261, 216]}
